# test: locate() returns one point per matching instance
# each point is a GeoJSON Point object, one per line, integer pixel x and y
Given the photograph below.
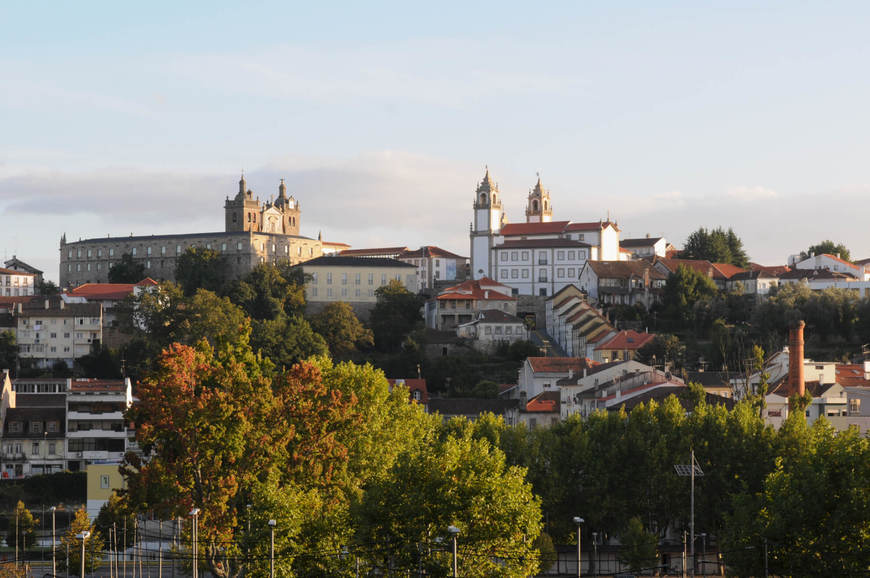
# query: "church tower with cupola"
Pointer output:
{"type": "Point", "coordinates": [488, 220]}
{"type": "Point", "coordinates": [539, 209]}
{"type": "Point", "coordinates": [289, 208]}
{"type": "Point", "coordinates": [243, 212]}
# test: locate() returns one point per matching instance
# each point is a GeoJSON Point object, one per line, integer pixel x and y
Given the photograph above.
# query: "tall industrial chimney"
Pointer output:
{"type": "Point", "coordinates": [796, 358]}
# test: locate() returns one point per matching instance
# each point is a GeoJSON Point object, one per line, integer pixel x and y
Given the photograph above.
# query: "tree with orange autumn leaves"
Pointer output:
{"type": "Point", "coordinates": [222, 431]}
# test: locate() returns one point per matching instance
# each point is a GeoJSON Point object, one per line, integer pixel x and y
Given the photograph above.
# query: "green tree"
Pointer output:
{"type": "Point", "coordinates": [269, 290]}
{"type": "Point", "coordinates": [286, 340]}
{"type": "Point", "coordinates": [716, 245]}
{"type": "Point", "coordinates": [829, 247]}
{"type": "Point", "coordinates": [395, 315]}
{"type": "Point", "coordinates": [459, 481]}
{"type": "Point", "coordinates": [26, 524]}
{"type": "Point", "coordinates": [200, 268]}
{"type": "Point", "coordinates": [8, 351]}
{"type": "Point", "coordinates": [664, 349]}
{"type": "Point", "coordinates": [94, 545]}
{"type": "Point", "coordinates": [47, 289]}
{"type": "Point", "coordinates": [115, 515]}
{"type": "Point", "coordinates": [126, 270]}
{"type": "Point", "coordinates": [684, 290]}
{"type": "Point", "coordinates": [638, 550]}
{"type": "Point", "coordinates": [341, 329]}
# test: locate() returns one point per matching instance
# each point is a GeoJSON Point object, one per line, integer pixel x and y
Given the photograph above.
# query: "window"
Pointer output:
{"type": "Point", "coordinates": [358, 279]}
{"type": "Point", "coordinates": [371, 278]}
{"type": "Point", "coordinates": [542, 292]}
{"type": "Point", "coordinates": [560, 272]}
{"type": "Point", "coordinates": [239, 246]}
{"type": "Point", "coordinates": [53, 335]}
{"type": "Point", "coordinates": [90, 253]}
{"type": "Point", "coordinates": [163, 250]}
{"type": "Point", "coordinates": [51, 427]}
{"type": "Point", "coordinates": [570, 255]}
{"type": "Point", "coordinates": [36, 427]}
{"type": "Point", "coordinates": [515, 274]}
{"type": "Point", "coordinates": [344, 278]}
{"type": "Point", "coordinates": [344, 291]}
{"type": "Point", "coordinates": [148, 251]}
{"type": "Point", "coordinates": [508, 330]}
{"type": "Point", "coordinates": [329, 291]}
{"type": "Point", "coordinates": [383, 279]}
{"type": "Point", "coordinates": [560, 255]}
{"type": "Point", "coordinates": [329, 277]}
{"type": "Point", "coordinates": [525, 274]}
{"type": "Point", "coordinates": [487, 330]}
{"type": "Point", "coordinates": [133, 252]}
{"type": "Point", "coordinates": [111, 252]}
{"type": "Point", "coordinates": [16, 427]}
{"type": "Point", "coordinates": [314, 291]}
{"type": "Point", "coordinates": [542, 275]}
{"type": "Point", "coordinates": [504, 256]}
{"type": "Point", "coordinates": [79, 253]}
{"type": "Point", "coordinates": [223, 246]}
{"type": "Point", "coordinates": [34, 449]}
{"type": "Point", "coordinates": [52, 448]}
{"type": "Point", "coordinates": [357, 293]}
{"type": "Point", "coordinates": [542, 258]}
{"type": "Point", "coordinates": [571, 273]}
{"type": "Point", "coordinates": [504, 274]}
{"type": "Point", "coordinates": [104, 481]}
{"type": "Point", "coordinates": [514, 255]}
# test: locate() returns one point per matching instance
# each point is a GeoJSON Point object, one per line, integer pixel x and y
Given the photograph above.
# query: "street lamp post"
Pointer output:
{"type": "Point", "coordinates": [595, 551]}
{"type": "Point", "coordinates": [194, 513]}
{"type": "Point", "coordinates": [83, 536]}
{"type": "Point", "coordinates": [272, 549]}
{"type": "Point", "coordinates": [579, 521]}
{"type": "Point", "coordinates": [53, 549]}
{"type": "Point", "coordinates": [454, 532]}
{"type": "Point", "coordinates": [703, 552]}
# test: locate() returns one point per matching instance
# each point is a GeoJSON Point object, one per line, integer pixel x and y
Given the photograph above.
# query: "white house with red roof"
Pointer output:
{"type": "Point", "coordinates": [827, 262]}
{"type": "Point", "coordinates": [15, 283]}
{"type": "Point", "coordinates": [623, 346]}
{"type": "Point", "coordinates": [492, 328]}
{"type": "Point", "coordinates": [574, 324]}
{"type": "Point", "coordinates": [540, 374]}
{"type": "Point", "coordinates": [434, 264]}
{"type": "Point", "coordinates": [465, 302]}
{"type": "Point", "coordinates": [538, 257]}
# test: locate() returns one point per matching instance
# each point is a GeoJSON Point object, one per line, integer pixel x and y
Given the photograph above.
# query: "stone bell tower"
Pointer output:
{"type": "Point", "coordinates": [539, 209]}
{"type": "Point", "coordinates": [243, 212]}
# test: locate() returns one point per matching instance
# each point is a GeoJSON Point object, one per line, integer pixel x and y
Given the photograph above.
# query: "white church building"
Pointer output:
{"type": "Point", "coordinates": [538, 257]}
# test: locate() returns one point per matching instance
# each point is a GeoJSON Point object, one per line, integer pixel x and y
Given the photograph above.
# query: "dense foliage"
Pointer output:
{"type": "Point", "coordinates": [829, 247]}
{"type": "Point", "coordinates": [716, 245]}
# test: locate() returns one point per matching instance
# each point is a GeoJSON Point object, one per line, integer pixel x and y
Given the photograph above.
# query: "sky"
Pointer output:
{"type": "Point", "coordinates": [120, 118]}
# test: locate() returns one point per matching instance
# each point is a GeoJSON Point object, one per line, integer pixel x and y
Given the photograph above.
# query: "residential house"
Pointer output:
{"type": "Point", "coordinates": [756, 282]}
{"type": "Point", "coordinates": [96, 428]}
{"type": "Point", "coordinates": [623, 346]}
{"type": "Point", "coordinates": [16, 283]}
{"type": "Point", "coordinates": [493, 328]}
{"type": "Point", "coordinates": [539, 374]}
{"type": "Point", "coordinates": [645, 247]}
{"type": "Point", "coordinates": [574, 324]}
{"type": "Point", "coordinates": [465, 302]}
{"type": "Point", "coordinates": [417, 391]}
{"type": "Point", "coordinates": [434, 264]}
{"type": "Point", "coordinates": [17, 264]}
{"type": "Point", "coordinates": [622, 282]}
{"type": "Point", "coordinates": [543, 410]}
{"type": "Point", "coordinates": [827, 262]}
{"type": "Point", "coordinates": [51, 331]}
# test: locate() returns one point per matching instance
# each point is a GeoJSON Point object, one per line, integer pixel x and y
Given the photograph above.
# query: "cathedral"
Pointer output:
{"type": "Point", "coordinates": [255, 232]}
{"type": "Point", "coordinates": [538, 257]}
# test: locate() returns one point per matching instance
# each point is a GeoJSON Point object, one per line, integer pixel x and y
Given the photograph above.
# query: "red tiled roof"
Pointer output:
{"type": "Point", "coordinates": [430, 251]}
{"type": "Point", "coordinates": [700, 265]}
{"type": "Point", "coordinates": [593, 226]}
{"type": "Point", "coordinates": [628, 339]}
{"type": "Point", "coordinates": [532, 243]}
{"type": "Point", "coordinates": [559, 364]}
{"type": "Point", "coordinates": [85, 385]}
{"type": "Point", "coordinates": [545, 402]}
{"type": "Point", "coordinates": [413, 384]}
{"type": "Point", "coordinates": [108, 291]}
{"type": "Point", "coordinates": [843, 261]}
{"type": "Point", "coordinates": [534, 228]}
{"type": "Point", "coordinates": [334, 244]}
{"type": "Point", "coordinates": [726, 270]}
{"type": "Point", "coordinates": [5, 271]}
{"type": "Point", "coordinates": [374, 252]}
{"type": "Point", "coordinates": [852, 375]}
{"type": "Point", "coordinates": [774, 270]}
{"type": "Point", "coordinates": [479, 290]}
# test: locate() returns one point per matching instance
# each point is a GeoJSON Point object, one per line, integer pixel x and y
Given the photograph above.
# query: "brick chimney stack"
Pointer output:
{"type": "Point", "coordinates": [796, 358]}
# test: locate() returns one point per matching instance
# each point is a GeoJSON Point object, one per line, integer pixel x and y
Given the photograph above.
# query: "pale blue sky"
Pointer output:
{"type": "Point", "coordinates": [117, 118]}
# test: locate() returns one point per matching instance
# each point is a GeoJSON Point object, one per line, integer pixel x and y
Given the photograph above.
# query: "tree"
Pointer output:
{"type": "Point", "coordinates": [47, 289]}
{"type": "Point", "coordinates": [684, 290]}
{"type": "Point", "coordinates": [341, 329]}
{"type": "Point", "coordinates": [26, 524]}
{"type": "Point", "coordinates": [461, 481]}
{"type": "Point", "coordinates": [93, 544]}
{"type": "Point", "coordinates": [115, 515]}
{"type": "Point", "coordinates": [8, 351]}
{"type": "Point", "coordinates": [126, 270]}
{"type": "Point", "coordinates": [716, 246]}
{"type": "Point", "coordinates": [287, 340]}
{"type": "Point", "coordinates": [638, 546]}
{"type": "Point", "coordinates": [200, 268]}
{"type": "Point", "coordinates": [829, 247]}
{"type": "Point", "coordinates": [395, 315]}
{"type": "Point", "coordinates": [269, 290]}
{"type": "Point", "coordinates": [665, 349]}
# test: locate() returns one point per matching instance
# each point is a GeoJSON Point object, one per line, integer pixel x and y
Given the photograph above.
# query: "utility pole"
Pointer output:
{"type": "Point", "coordinates": [53, 544]}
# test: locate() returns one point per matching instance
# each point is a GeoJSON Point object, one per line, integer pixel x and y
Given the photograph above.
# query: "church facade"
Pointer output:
{"type": "Point", "coordinates": [255, 232]}
{"type": "Point", "coordinates": [540, 256]}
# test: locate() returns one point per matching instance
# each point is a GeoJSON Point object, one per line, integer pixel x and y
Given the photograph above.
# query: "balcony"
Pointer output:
{"type": "Point", "coordinates": [99, 416]}
{"type": "Point", "coordinates": [96, 433]}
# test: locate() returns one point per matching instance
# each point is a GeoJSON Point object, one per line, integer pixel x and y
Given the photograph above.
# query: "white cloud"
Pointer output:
{"type": "Point", "coordinates": [753, 193]}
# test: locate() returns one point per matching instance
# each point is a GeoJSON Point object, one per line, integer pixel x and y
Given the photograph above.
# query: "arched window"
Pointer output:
{"type": "Point", "coordinates": [482, 198]}
{"type": "Point", "coordinates": [535, 206]}
{"type": "Point", "coordinates": [545, 205]}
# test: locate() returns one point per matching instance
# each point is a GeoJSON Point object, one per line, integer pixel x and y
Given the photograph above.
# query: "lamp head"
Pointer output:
{"type": "Point", "coordinates": [272, 523]}
{"type": "Point", "coordinates": [452, 530]}
{"type": "Point", "coordinates": [84, 535]}
{"type": "Point", "coordinates": [194, 512]}
{"type": "Point", "coordinates": [578, 520]}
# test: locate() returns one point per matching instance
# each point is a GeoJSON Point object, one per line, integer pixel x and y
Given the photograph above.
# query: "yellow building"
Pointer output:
{"type": "Point", "coordinates": [354, 280]}
{"type": "Point", "coordinates": [103, 479]}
